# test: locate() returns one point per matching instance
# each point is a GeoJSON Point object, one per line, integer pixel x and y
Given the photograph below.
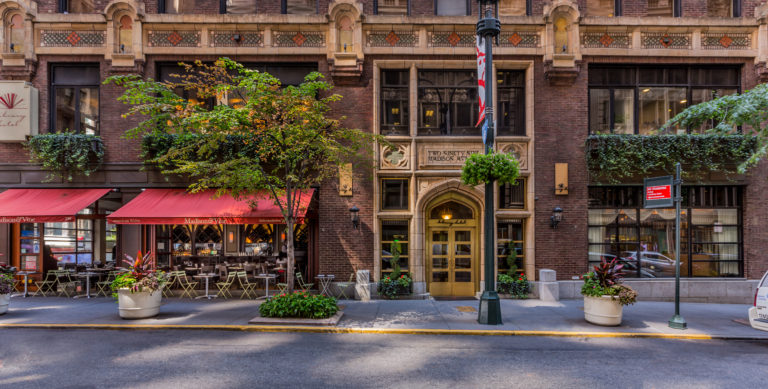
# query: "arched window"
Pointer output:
{"type": "Point", "coordinates": [16, 34]}
{"type": "Point", "coordinates": [451, 210]}
{"type": "Point", "coordinates": [125, 35]}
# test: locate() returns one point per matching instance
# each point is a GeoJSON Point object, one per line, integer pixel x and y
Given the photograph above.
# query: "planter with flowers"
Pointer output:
{"type": "Point", "coordinates": [392, 288]}
{"type": "Point", "coordinates": [604, 295]}
{"type": "Point", "coordinates": [514, 285]}
{"type": "Point", "coordinates": [139, 291]}
{"type": "Point", "coordinates": [6, 287]}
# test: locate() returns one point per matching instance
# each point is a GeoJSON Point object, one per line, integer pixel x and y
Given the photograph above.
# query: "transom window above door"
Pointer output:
{"type": "Point", "coordinates": [451, 210]}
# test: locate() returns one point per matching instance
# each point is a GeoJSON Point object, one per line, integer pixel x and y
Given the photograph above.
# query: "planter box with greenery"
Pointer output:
{"type": "Point", "coordinates": [67, 154]}
{"type": "Point", "coordinates": [395, 284]}
{"type": "Point", "coordinates": [604, 296]}
{"type": "Point", "coordinates": [140, 291]}
{"type": "Point", "coordinates": [514, 285]}
{"type": "Point", "coordinates": [299, 305]}
{"type": "Point", "coordinates": [6, 288]}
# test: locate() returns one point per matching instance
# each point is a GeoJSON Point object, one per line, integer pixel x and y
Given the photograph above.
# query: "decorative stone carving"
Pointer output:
{"type": "Point", "coordinates": [446, 155]}
{"type": "Point", "coordinates": [519, 150]}
{"type": "Point", "coordinates": [397, 157]}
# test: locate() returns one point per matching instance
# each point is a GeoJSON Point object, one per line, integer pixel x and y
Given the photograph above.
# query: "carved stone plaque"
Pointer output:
{"type": "Point", "coordinates": [446, 155]}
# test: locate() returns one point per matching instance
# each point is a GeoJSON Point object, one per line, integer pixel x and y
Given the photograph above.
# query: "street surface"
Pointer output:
{"type": "Point", "coordinates": [36, 358]}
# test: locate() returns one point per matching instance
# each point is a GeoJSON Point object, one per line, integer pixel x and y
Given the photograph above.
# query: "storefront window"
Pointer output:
{"type": "Point", "coordinates": [70, 242]}
{"type": "Point", "coordinates": [394, 239]}
{"type": "Point", "coordinates": [640, 100]}
{"type": "Point", "coordinates": [510, 251]}
{"type": "Point", "coordinates": [29, 244]}
{"type": "Point", "coordinates": [644, 239]}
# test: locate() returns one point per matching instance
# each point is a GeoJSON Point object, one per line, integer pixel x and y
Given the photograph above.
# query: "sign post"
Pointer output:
{"type": "Point", "coordinates": [658, 193]}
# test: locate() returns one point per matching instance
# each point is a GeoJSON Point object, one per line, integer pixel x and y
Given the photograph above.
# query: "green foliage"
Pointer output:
{"type": "Point", "coordinates": [67, 154]}
{"type": "Point", "coordinates": [516, 285]}
{"type": "Point", "coordinates": [485, 168]}
{"type": "Point", "coordinates": [299, 304]}
{"type": "Point", "coordinates": [748, 110]}
{"type": "Point", "coordinates": [394, 262]}
{"type": "Point", "coordinates": [142, 277]}
{"type": "Point", "coordinates": [606, 281]}
{"type": "Point", "coordinates": [511, 258]}
{"type": "Point", "coordinates": [391, 287]}
{"type": "Point", "coordinates": [613, 158]}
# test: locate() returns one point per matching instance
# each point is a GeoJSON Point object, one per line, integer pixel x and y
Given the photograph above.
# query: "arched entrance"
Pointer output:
{"type": "Point", "coordinates": [452, 246]}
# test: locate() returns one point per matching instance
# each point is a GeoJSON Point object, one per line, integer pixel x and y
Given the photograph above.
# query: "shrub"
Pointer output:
{"type": "Point", "coordinates": [390, 287]}
{"type": "Point", "coordinates": [516, 285]}
{"type": "Point", "coordinates": [299, 304]}
{"type": "Point", "coordinates": [605, 280]}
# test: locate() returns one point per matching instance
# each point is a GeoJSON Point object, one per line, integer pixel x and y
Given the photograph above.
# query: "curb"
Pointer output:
{"type": "Point", "coordinates": [382, 331]}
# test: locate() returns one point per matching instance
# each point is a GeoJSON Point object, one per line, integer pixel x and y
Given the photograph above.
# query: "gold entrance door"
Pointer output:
{"type": "Point", "coordinates": [452, 264]}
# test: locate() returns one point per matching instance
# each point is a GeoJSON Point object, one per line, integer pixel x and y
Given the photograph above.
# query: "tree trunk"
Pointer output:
{"type": "Point", "coordinates": [289, 250]}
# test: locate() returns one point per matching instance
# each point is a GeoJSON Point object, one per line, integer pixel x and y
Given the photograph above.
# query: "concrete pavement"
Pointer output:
{"type": "Point", "coordinates": [521, 317]}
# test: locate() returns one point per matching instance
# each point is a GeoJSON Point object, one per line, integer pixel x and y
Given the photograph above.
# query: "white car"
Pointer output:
{"type": "Point", "coordinates": [758, 315]}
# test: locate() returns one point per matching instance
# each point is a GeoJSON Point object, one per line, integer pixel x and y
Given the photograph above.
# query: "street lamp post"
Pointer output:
{"type": "Point", "coordinates": [488, 28]}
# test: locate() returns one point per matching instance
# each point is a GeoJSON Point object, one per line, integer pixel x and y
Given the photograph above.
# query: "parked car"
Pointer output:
{"type": "Point", "coordinates": [656, 263]}
{"type": "Point", "coordinates": [758, 314]}
{"type": "Point", "coordinates": [630, 265]}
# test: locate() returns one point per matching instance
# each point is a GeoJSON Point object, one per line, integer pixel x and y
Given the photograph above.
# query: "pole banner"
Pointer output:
{"type": "Point", "coordinates": [480, 78]}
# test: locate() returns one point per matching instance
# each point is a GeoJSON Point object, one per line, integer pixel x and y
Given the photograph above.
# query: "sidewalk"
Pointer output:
{"type": "Point", "coordinates": [522, 317]}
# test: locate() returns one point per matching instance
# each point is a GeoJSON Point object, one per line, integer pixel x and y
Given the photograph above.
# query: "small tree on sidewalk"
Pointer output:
{"type": "Point", "coordinates": [240, 131]}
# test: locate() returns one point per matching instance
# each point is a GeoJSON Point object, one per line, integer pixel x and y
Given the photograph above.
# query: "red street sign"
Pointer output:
{"type": "Point", "coordinates": [658, 192]}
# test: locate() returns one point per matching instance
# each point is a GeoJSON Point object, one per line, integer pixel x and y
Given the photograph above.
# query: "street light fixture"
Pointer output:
{"type": "Point", "coordinates": [488, 28]}
{"type": "Point", "coordinates": [355, 216]}
{"type": "Point", "coordinates": [556, 218]}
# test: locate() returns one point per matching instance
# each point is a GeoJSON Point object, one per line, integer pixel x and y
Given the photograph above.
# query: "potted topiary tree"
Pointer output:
{"type": "Point", "coordinates": [395, 284]}
{"type": "Point", "coordinates": [139, 291]}
{"type": "Point", "coordinates": [6, 287]}
{"type": "Point", "coordinates": [604, 295]}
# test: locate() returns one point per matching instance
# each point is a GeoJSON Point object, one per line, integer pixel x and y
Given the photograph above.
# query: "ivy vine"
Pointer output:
{"type": "Point", "coordinates": [613, 158]}
{"type": "Point", "coordinates": [67, 154]}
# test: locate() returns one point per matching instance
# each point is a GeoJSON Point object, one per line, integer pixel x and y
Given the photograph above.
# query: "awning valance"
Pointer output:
{"type": "Point", "coordinates": [177, 206]}
{"type": "Point", "coordinates": [45, 205]}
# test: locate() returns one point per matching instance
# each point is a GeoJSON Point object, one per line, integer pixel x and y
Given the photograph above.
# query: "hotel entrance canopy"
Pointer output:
{"type": "Point", "coordinates": [45, 205]}
{"type": "Point", "coordinates": [177, 206]}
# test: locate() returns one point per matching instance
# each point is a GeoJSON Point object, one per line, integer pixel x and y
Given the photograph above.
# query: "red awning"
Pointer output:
{"type": "Point", "coordinates": [45, 205]}
{"type": "Point", "coordinates": [177, 206]}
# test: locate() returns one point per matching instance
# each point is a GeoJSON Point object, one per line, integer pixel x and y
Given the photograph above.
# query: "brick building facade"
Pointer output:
{"type": "Point", "coordinates": [405, 69]}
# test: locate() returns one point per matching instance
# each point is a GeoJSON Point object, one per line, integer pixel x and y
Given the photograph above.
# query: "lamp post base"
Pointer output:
{"type": "Point", "coordinates": [677, 322]}
{"type": "Point", "coordinates": [490, 309]}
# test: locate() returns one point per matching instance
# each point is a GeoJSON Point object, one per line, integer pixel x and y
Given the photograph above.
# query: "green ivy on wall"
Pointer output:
{"type": "Point", "coordinates": [613, 158]}
{"type": "Point", "coordinates": [67, 154]}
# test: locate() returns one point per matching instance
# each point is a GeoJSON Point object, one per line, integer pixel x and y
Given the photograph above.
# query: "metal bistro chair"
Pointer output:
{"type": "Point", "coordinates": [343, 286]}
{"type": "Point", "coordinates": [226, 284]}
{"type": "Point", "coordinates": [47, 284]}
{"type": "Point", "coordinates": [303, 285]}
{"type": "Point", "coordinates": [248, 287]}
{"type": "Point", "coordinates": [105, 286]}
{"type": "Point", "coordinates": [171, 283]}
{"type": "Point", "coordinates": [187, 287]}
{"type": "Point", "coordinates": [66, 282]}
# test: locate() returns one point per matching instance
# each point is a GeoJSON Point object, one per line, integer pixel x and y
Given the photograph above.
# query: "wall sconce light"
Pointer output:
{"type": "Point", "coordinates": [353, 212]}
{"type": "Point", "coordinates": [556, 218]}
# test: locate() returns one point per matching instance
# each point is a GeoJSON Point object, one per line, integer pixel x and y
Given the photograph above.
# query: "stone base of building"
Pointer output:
{"type": "Point", "coordinates": [718, 290]}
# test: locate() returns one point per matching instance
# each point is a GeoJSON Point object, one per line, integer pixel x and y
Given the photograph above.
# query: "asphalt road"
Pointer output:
{"type": "Point", "coordinates": [32, 358]}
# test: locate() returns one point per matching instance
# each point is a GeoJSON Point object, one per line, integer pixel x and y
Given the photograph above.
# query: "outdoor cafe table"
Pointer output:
{"type": "Point", "coordinates": [266, 278]}
{"type": "Point", "coordinates": [207, 277]}
{"type": "Point", "coordinates": [325, 282]}
{"type": "Point", "coordinates": [26, 275]}
{"type": "Point", "coordinates": [87, 276]}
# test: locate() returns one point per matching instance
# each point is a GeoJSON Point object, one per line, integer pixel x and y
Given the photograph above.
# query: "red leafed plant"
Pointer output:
{"type": "Point", "coordinates": [142, 277]}
{"type": "Point", "coordinates": [10, 100]}
{"type": "Point", "coordinates": [609, 273]}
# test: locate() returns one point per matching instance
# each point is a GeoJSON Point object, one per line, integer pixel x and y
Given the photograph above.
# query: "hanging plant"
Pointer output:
{"type": "Point", "coordinates": [67, 154]}
{"type": "Point", "coordinates": [486, 168]}
{"type": "Point", "coordinates": [613, 158]}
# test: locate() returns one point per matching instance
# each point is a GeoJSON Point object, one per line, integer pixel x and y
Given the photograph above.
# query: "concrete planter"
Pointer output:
{"type": "Point", "coordinates": [602, 310]}
{"type": "Point", "coordinates": [5, 299]}
{"type": "Point", "coordinates": [139, 305]}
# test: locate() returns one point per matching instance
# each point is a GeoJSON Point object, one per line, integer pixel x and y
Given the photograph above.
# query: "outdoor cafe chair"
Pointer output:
{"type": "Point", "coordinates": [303, 285]}
{"type": "Point", "coordinates": [282, 287]}
{"type": "Point", "coordinates": [187, 287]}
{"type": "Point", "coordinates": [66, 283]}
{"type": "Point", "coordinates": [344, 285]}
{"type": "Point", "coordinates": [105, 286]}
{"type": "Point", "coordinates": [225, 285]}
{"type": "Point", "coordinates": [171, 283]}
{"type": "Point", "coordinates": [47, 284]}
{"type": "Point", "coordinates": [248, 287]}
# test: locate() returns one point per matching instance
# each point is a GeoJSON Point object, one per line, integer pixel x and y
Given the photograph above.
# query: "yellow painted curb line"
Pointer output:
{"type": "Point", "coordinates": [352, 330]}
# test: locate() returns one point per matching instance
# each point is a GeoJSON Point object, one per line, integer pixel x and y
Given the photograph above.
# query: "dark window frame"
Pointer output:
{"type": "Point", "coordinates": [505, 198]}
{"type": "Point", "coordinates": [689, 85]}
{"type": "Point", "coordinates": [404, 194]}
{"type": "Point", "coordinates": [518, 128]}
{"type": "Point", "coordinates": [376, 7]}
{"type": "Point", "coordinates": [468, 8]}
{"type": "Point", "coordinates": [382, 106]}
{"type": "Point", "coordinates": [404, 256]}
{"type": "Point", "coordinates": [449, 114]}
{"type": "Point", "coordinates": [284, 7]}
{"type": "Point", "coordinates": [54, 86]}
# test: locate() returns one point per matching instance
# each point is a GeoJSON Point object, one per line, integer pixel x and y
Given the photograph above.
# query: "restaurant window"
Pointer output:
{"type": "Point", "coordinates": [512, 196]}
{"type": "Point", "coordinates": [511, 102]}
{"type": "Point", "coordinates": [71, 242]}
{"type": "Point", "coordinates": [394, 236]}
{"type": "Point", "coordinates": [394, 102]}
{"type": "Point", "coordinates": [30, 246]}
{"type": "Point", "coordinates": [392, 7]}
{"type": "Point", "coordinates": [452, 7]}
{"type": "Point", "coordinates": [641, 99]}
{"type": "Point", "coordinates": [76, 6]}
{"type": "Point", "coordinates": [601, 8]}
{"type": "Point", "coordinates": [238, 6]}
{"type": "Point", "coordinates": [208, 240]}
{"type": "Point", "coordinates": [643, 239]}
{"type": "Point", "coordinates": [75, 98]}
{"type": "Point", "coordinates": [394, 193]}
{"type": "Point", "coordinates": [299, 7]}
{"type": "Point", "coordinates": [110, 239]}
{"type": "Point", "coordinates": [447, 101]}
{"type": "Point", "coordinates": [510, 253]}
{"type": "Point", "coordinates": [513, 7]}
